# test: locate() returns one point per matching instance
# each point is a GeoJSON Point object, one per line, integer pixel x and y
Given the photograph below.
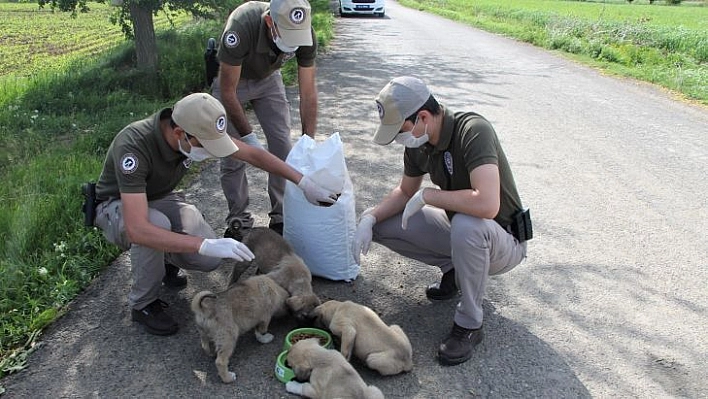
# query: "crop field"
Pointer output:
{"type": "Point", "coordinates": [33, 40]}
{"type": "Point", "coordinates": [657, 43]}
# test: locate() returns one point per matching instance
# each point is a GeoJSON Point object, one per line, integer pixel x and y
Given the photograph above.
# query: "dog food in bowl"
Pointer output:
{"type": "Point", "coordinates": [299, 334]}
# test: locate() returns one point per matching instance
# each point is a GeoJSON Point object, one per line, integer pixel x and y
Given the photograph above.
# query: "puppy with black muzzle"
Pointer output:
{"type": "Point", "coordinates": [276, 258]}
{"type": "Point", "coordinates": [361, 331]}
{"type": "Point", "coordinates": [221, 318]}
{"type": "Point", "coordinates": [328, 373]}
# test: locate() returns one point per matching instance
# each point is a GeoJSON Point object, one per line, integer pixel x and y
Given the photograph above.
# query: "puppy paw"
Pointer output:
{"type": "Point", "coordinates": [264, 338]}
{"type": "Point", "coordinates": [229, 377]}
{"type": "Point", "coordinates": [294, 387]}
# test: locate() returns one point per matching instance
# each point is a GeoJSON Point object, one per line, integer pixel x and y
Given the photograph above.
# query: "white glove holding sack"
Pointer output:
{"type": "Point", "coordinates": [252, 140]}
{"type": "Point", "coordinates": [363, 235]}
{"type": "Point", "coordinates": [226, 248]}
{"type": "Point", "coordinates": [413, 205]}
{"type": "Point", "coordinates": [315, 194]}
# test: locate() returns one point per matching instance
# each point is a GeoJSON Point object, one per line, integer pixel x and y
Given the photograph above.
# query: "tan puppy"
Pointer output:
{"type": "Point", "coordinates": [328, 372]}
{"type": "Point", "coordinates": [221, 318]}
{"type": "Point", "coordinates": [276, 258]}
{"type": "Point", "coordinates": [361, 331]}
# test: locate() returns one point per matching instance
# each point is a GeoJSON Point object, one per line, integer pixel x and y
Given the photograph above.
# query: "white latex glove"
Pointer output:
{"type": "Point", "coordinates": [414, 204]}
{"type": "Point", "coordinates": [294, 387]}
{"type": "Point", "coordinates": [252, 140]}
{"type": "Point", "coordinates": [315, 194]}
{"type": "Point", "coordinates": [226, 248]}
{"type": "Point", "coordinates": [363, 235]}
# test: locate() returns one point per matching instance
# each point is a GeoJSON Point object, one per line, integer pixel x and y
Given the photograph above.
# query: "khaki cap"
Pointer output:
{"type": "Point", "coordinates": [293, 19]}
{"type": "Point", "coordinates": [398, 100]}
{"type": "Point", "coordinates": [203, 117]}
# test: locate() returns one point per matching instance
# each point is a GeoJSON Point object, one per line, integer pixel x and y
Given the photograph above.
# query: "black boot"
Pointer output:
{"type": "Point", "coordinates": [154, 318]}
{"type": "Point", "coordinates": [445, 289]}
{"type": "Point", "coordinates": [172, 278]}
{"type": "Point", "coordinates": [457, 347]}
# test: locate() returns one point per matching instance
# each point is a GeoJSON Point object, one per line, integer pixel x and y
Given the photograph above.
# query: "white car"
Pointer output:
{"type": "Point", "coordinates": [362, 7]}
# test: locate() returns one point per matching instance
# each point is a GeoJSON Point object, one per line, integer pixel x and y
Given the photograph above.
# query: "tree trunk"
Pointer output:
{"type": "Point", "coordinates": [145, 42]}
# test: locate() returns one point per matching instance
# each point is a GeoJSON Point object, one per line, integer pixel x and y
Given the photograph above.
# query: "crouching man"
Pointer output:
{"type": "Point", "coordinates": [139, 211]}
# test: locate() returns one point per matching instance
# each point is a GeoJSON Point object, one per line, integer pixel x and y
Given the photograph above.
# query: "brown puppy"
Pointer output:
{"type": "Point", "coordinates": [276, 258]}
{"type": "Point", "coordinates": [221, 318]}
{"type": "Point", "coordinates": [328, 372]}
{"type": "Point", "coordinates": [361, 331]}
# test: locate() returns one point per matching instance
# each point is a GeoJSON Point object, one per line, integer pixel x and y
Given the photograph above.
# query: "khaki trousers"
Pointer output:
{"type": "Point", "coordinates": [476, 248]}
{"type": "Point", "coordinates": [267, 96]}
{"type": "Point", "coordinates": [147, 264]}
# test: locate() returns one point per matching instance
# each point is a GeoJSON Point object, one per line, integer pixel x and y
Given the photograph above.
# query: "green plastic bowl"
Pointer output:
{"type": "Point", "coordinates": [325, 336]}
{"type": "Point", "coordinates": [282, 372]}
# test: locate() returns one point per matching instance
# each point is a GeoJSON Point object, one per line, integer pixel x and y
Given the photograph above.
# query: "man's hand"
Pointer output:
{"type": "Point", "coordinates": [414, 204]}
{"type": "Point", "coordinates": [252, 140]}
{"type": "Point", "coordinates": [363, 235]}
{"type": "Point", "coordinates": [226, 248]}
{"type": "Point", "coordinates": [315, 194]}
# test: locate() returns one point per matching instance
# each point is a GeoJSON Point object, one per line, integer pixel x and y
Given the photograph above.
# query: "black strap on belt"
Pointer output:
{"type": "Point", "coordinates": [90, 202]}
{"type": "Point", "coordinates": [521, 227]}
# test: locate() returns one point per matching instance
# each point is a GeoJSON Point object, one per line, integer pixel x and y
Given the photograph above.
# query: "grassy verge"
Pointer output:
{"type": "Point", "coordinates": [664, 45]}
{"type": "Point", "coordinates": [58, 114]}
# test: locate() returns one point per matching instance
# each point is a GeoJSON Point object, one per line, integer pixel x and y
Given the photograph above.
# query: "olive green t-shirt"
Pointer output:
{"type": "Point", "coordinates": [245, 42]}
{"type": "Point", "coordinates": [467, 140]}
{"type": "Point", "coordinates": [140, 160]}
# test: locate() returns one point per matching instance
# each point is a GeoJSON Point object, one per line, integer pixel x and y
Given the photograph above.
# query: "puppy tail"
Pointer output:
{"type": "Point", "coordinates": [203, 302]}
{"type": "Point", "coordinates": [372, 392]}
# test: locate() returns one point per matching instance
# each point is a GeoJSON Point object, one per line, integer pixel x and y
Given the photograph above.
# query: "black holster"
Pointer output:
{"type": "Point", "coordinates": [520, 226]}
{"type": "Point", "coordinates": [90, 202]}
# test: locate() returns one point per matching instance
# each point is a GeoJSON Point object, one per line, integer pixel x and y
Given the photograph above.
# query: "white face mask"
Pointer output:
{"type": "Point", "coordinates": [196, 154]}
{"type": "Point", "coordinates": [279, 43]}
{"type": "Point", "coordinates": [409, 140]}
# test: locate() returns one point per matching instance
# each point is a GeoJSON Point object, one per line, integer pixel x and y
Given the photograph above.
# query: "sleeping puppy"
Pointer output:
{"type": "Point", "coordinates": [276, 258]}
{"type": "Point", "coordinates": [361, 331]}
{"type": "Point", "coordinates": [328, 372]}
{"type": "Point", "coordinates": [221, 318]}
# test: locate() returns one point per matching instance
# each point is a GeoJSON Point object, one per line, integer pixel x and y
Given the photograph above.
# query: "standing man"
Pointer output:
{"type": "Point", "coordinates": [139, 211]}
{"type": "Point", "coordinates": [465, 227]}
{"type": "Point", "coordinates": [258, 38]}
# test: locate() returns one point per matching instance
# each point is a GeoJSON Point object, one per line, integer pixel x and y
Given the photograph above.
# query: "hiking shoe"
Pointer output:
{"type": "Point", "coordinates": [154, 318]}
{"type": "Point", "coordinates": [236, 230]}
{"type": "Point", "coordinates": [277, 227]}
{"type": "Point", "coordinates": [457, 347]}
{"type": "Point", "coordinates": [172, 278]}
{"type": "Point", "coordinates": [445, 289]}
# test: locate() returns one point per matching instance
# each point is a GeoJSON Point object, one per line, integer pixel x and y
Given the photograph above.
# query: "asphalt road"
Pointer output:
{"type": "Point", "coordinates": [611, 301]}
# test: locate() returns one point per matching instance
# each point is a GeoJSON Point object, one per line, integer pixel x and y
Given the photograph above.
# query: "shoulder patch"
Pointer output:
{"type": "Point", "coordinates": [128, 163]}
{"type": "Point", "coordinates": [231, 39]}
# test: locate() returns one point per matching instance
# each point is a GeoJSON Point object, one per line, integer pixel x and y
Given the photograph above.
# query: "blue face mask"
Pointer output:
{"type": "Point", "coordinates": [409, 140]}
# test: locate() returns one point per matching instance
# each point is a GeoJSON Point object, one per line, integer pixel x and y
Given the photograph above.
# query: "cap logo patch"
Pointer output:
{"type": "Point", "coordinates": [129, 163]}
{"type": "Point", "coordinates": [231, 39]}
{"type": "Point", "coordinates": [381, 110]}
{"type": "Point", "coordinates": [221, 123]}
{"type": "Point", "coordinates": [297, 15]}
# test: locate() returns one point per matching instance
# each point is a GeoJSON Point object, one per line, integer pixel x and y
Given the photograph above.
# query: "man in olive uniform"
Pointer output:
{"type": "Point", "coordinates": [258, 38]}
{"type": "Point", "coordinates": [139, 210]}
{"type": "Point", "coordinates": [466, 227]}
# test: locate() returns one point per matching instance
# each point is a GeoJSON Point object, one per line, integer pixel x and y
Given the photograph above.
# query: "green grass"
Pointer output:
{"type": "Point", "coordinates": [58, 115]}
{"type": "Point", "coordinates": [665, 45]}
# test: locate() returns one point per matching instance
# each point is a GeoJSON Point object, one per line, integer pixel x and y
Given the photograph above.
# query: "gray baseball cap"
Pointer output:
{"type": "Point", "coordinates": [398, 100]}
{"type": "Point", "coordinates": [293, 19]}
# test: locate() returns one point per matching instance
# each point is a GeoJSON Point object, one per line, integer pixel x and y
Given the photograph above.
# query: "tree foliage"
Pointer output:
{"type": "Point", "coordinates": [135, 17]}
